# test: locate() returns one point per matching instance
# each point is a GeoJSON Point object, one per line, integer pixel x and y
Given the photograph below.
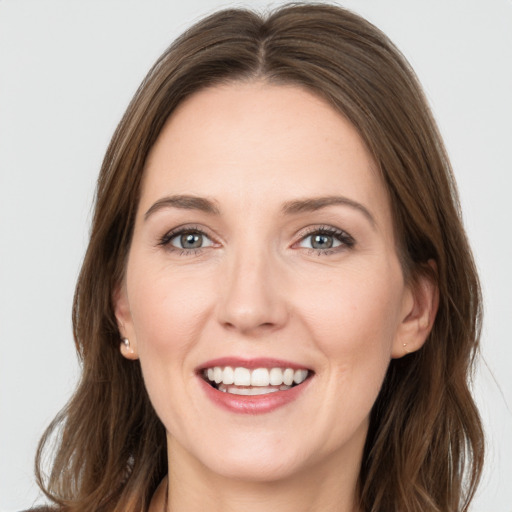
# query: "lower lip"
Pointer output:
{"type": "Point", "coordinates": [256, 404]}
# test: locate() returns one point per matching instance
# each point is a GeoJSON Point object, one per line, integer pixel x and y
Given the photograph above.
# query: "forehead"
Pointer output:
{"type": "Point", "coordinates": [256, 141]}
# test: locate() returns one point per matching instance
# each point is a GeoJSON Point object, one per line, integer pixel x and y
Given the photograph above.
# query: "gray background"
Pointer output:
{"type": "Point", "coordinates": [67, 71]}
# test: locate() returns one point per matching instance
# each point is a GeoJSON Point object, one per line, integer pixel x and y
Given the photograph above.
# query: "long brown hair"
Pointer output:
{"type": "Point", "coordinates": [424, 449]}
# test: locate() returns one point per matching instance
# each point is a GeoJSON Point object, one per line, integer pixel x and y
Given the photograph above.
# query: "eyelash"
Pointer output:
{"type": "Point", "coordinates": [165, 241]}
{"type": "Point", "coordinates": [346, 240]}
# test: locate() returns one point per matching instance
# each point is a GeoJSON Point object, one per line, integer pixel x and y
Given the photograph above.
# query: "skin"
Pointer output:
{"type": "Point", "coordinates": [258, 289]}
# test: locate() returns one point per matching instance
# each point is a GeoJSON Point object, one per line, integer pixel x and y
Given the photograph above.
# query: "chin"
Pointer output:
{"type": "Point", "coordinates": [257, 469]}
{"type": "Point", "coordinates": [248, 458]}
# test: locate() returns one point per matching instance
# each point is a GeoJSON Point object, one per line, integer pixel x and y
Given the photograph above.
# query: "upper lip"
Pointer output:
{"type": "Point", "coordinates": [251, 364]}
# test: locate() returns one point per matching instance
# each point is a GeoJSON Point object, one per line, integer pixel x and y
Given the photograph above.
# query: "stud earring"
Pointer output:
{"type": "Point", "coordinates": [127, 350]}
{"type": "Point", "coordinates": [405, 348]}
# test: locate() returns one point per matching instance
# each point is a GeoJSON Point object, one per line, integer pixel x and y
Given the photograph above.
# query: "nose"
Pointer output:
{"type": "Point", "coordinates": [253, 296]}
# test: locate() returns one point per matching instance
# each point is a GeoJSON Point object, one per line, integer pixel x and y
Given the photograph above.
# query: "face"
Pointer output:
{"type": "Point", "coordinates": [263, 252]}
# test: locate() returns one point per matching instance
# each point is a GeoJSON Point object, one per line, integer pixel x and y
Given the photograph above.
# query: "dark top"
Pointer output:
{"type": "Point", "coordinates": [41, 509]}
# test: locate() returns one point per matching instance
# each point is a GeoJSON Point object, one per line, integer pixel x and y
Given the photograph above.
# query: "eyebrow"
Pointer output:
{"type": "Point", "coordinates": [188, 202]}
{"type": "Point", "coordinates": [317, 203]}
{"type": "Point", "coordinates": [185, 203]}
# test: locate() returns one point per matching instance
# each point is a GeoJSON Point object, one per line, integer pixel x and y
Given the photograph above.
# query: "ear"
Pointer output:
{"type": "Point", "coordinates": [128, 342]}
{"type": "Point", "coordinates": [419, 309]}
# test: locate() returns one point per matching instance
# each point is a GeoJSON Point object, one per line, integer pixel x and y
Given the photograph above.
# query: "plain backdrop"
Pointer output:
{"type": "Point", "coordinates": [68, 69]}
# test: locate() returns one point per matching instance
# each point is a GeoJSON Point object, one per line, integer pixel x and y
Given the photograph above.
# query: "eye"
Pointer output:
{"type": "Point", "coordinates": [186, 239]}
{"type": "Point", "coordinates": [190, 240]}
{"type": "Point", "coordinates": [326, 240]}
{"type": "Point", "coordinates": [320, 241]}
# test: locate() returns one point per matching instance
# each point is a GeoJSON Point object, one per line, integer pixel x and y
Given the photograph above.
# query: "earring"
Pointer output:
{"type": "Point", "coordinates": [404, 345]}
{"type": "Point", "coordinates": [127, 350]}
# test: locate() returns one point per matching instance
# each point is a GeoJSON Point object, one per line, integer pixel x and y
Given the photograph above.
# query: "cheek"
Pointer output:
{"type": "Point", "coordinates": [166, 310]}
{"type": "Point", "coordinates": [354, 316]}
{"type": "Point", "coordinates": [354, 326]}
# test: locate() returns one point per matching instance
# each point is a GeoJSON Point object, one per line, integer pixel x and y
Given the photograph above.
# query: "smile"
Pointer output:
{"type": "Point", "coordinates": [253, 386]}
{"type": "Point", "coordinates": [258, 381]}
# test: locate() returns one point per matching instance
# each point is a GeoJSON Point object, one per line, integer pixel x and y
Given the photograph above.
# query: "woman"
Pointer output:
{"type": "Point", "coordinates": [278, 307]}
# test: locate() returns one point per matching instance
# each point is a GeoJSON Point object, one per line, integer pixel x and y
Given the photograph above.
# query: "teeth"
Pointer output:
{"type": "Point", "coordinates": [228, 375]}
{"type": "Point", "coordinates": [242, 377]}
{"type": "Point", "coordinates": [234, 390]}
{"type": "Point", "coordinates": [300, 376]}
{"type": "Point", "coordinates": [276, 376]}
{"type": "Point", "coordinates": [259, 377]}
{"type": "Point", "coordinates": [288, 376]}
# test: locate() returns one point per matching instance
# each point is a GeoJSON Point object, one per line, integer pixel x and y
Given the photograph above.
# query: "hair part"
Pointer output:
{"type": "Point", "coordinates": [424, 449]}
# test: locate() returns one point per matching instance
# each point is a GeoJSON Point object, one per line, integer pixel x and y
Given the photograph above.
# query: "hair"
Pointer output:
{"type": "Point", "coordinates": [424, 449]}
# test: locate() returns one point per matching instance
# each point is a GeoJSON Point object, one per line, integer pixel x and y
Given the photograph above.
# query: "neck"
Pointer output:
{"type": "Point", "coordinates": [329, 487]}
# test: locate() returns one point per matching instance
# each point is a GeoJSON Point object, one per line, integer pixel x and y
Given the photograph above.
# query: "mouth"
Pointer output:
{"type": "Point", "coordinates": [239, 380]}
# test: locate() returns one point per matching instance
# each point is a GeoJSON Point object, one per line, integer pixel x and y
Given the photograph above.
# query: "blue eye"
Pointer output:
{"type": "Point", "coordinates": [186, 239]}
{"type": "Point", "coordinates": [190, 240]}
{"type": "Point", "coordinates": [320, 241]}
{"type": "Point", "coordinates": [326, 239]}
